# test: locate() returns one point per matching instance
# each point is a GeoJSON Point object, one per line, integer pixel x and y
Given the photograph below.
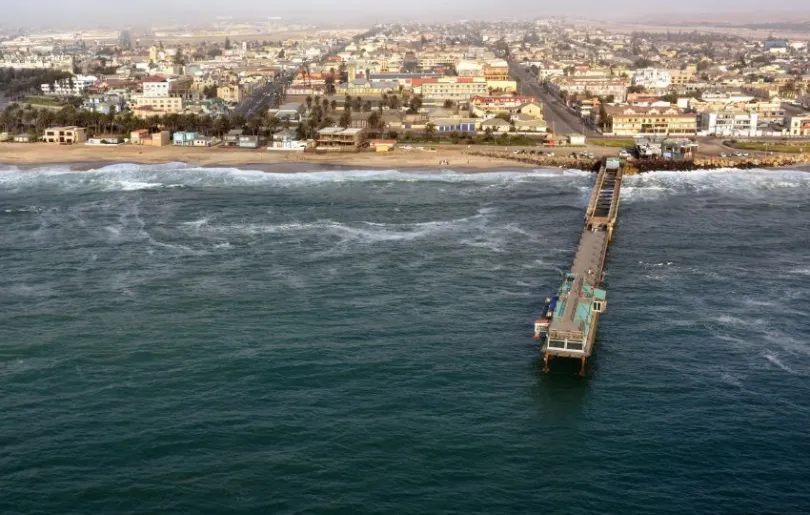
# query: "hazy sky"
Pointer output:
{"type": "Point", "coordinates": [17, 13]}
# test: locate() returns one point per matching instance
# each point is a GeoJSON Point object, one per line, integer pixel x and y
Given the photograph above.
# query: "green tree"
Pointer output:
{"type": "Point", "coordinates": [374, 121]}
{"type": "Point", "coordinates": [345, 118]}
{"type": "Point", "coordinates": [430, 131]}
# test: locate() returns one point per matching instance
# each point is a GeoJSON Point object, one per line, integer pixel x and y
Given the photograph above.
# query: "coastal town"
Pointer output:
{"type": "Point", "coordinates": [547, 91]}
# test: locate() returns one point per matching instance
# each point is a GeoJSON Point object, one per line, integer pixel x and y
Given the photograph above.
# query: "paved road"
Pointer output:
{"type": "Point", "coordinates": [558, 116]}
{"type": "Point", "coordinates": [262, 98]}
{"type": "Point", "coordinates": [273, 93]}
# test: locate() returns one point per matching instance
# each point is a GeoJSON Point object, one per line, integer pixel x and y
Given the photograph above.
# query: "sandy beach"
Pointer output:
{"type": "Point", "coordinates": [30, 154]}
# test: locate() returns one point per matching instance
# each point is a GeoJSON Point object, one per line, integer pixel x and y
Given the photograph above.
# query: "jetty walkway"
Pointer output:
{"type": "Point", "coordinates": [569, 321]}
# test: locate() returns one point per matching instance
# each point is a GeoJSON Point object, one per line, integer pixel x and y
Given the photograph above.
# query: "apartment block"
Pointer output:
{"type": "Point", "coordinates": [728, 123]}
{"type": "Point", "coordinates": [460, 89]}
{"type": "Point", "coordinates": [632, 121]}
{"type": "Point", "coordinates": [65, 135]}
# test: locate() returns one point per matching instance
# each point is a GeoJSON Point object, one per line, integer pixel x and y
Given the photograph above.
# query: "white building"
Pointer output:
{"type": "Point", "coordinates": [155, 87]}
{"type": "Point", "coordinates": [728, 123]}
{"type": "Point", "coordinates": [652, 78]}
{"type": "Point", "coordinates": [70, 87]}
{"type": "Point", "coordinates": [28, 62]}
{"type": "Point", "coordinates": [798, 125]}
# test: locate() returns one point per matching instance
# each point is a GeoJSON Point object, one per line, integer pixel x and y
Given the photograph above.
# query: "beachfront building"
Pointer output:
{"type": "Point", "coordinates": [65, 135]}
{"type": "Point", "coordinates": [144, 137]}
{"type": "Point", "coordinates": [633, 121]}
{"type": "Point", "coordinates": [728, 123]}
{"type": "Point", "coordinates": [184, 139]}
{"type": "Point", "coordinates": [337, 138]}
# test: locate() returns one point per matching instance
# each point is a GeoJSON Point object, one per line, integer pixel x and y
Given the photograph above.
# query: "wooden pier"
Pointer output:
{"type": "Point", "coordinates": [568, 325]}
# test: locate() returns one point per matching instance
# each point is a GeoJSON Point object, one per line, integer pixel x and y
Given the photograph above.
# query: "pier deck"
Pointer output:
{"type": "Point", "coordinates": [569, 329]}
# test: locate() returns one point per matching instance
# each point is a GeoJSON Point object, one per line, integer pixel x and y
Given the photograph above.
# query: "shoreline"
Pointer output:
{"type": "Point", "coordinates": [79, 158]}
{"type": "Point", "coordinates": [38, 154]}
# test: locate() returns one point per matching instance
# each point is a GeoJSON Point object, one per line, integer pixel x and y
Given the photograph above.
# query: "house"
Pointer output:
{"type": "Point", "coordinates": [359, 120]}
{"type": "Point", "coordinates": [246, 141]}
{"type": "Point", "coordinates": [231, 139]}
{"type": "Point", "coordinates": [391, 119]}
{"type": "Point", "coordinates": [455, 124]}
{"type": "Point", "coordinates": [23, 138]}
{"type": "Point", "coordinates": [4, 136]}
{"type": "Point", "coordinates": [528, 123]}
{"type": "Point", "coordinates": [65, 135]}
{"type": "Point", "coordinates": [139, 137]}
{"type": "Point", "coordinates": [533, 109]}
{"type": "Point", "coordinates": [383, 145]}
{"type": "Point", "coordinates": [104, 103]}
{"type": "Point", "coordinates": [292, 111]}
{"type": "Point", "coordinates": [496, 125]}
{"type": "Point", "coordinates": [105, 139]}
{"type": "Point", "coordinates": [143, 137]}
{"type": "Point", "coordinates": [203, 141]}
{"type": "Point", "coordinates": [483, 105]}
{"type": "Point", "coordinates": [288, 145]}
{"type": "Point", "coordinates": [184, 139]}
{"type": "Point", "coordinates": [160, 139]}
{"type": "Point", "coordinates": [231, 93]}
{"type": "Point", "coordinates": [337, 138]}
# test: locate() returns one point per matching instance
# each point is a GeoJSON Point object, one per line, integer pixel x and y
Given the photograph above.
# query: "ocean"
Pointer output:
{"type": "Point", "coordinates": [204, 341]}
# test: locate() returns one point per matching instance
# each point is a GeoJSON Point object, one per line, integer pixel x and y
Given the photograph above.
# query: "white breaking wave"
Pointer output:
{"type": "Point", "coordinates": [133, 177]}
{"type": "Point", "coordinates": [363, 231]}
{"type": "Point", "coordinates": [652, 185]}
{"type": "Point", "coordinates": [773, 359]}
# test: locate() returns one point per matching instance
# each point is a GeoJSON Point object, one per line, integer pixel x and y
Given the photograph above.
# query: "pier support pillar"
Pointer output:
{"type": "Point", "coordinates": [583, 362]}
{"type": "Point", "coordinates": [546, 359]}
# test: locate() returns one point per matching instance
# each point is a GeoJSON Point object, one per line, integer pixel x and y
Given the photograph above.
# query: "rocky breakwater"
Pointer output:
{"type": "Point", "coordinates": [544, 161]}
{"type": "Point", "coordinates": [654, 165]}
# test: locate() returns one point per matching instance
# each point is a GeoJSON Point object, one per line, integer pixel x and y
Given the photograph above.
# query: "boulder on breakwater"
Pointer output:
{"type": "Point", "coordinates": [653, 165]}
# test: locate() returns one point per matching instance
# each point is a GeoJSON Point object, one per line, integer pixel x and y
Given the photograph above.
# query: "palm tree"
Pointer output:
{"type": "Point", "coordinates": [345, 118]}
{"type": "Point", "coordinates": [430, 131]}
{"type": "Point", "coordinates": [254, 125]}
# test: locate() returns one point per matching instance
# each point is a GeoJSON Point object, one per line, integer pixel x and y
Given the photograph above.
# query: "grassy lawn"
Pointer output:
{"type": "Point", "coordinates": [43, 101]}
{"type": "Point", "coordinates": [761, 146]}
{"type": "Point", "coordinates": [614, 143]}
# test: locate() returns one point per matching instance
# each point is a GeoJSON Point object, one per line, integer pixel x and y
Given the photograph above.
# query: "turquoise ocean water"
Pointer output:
{"type": "Point", "coordinates": [183, 340]}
